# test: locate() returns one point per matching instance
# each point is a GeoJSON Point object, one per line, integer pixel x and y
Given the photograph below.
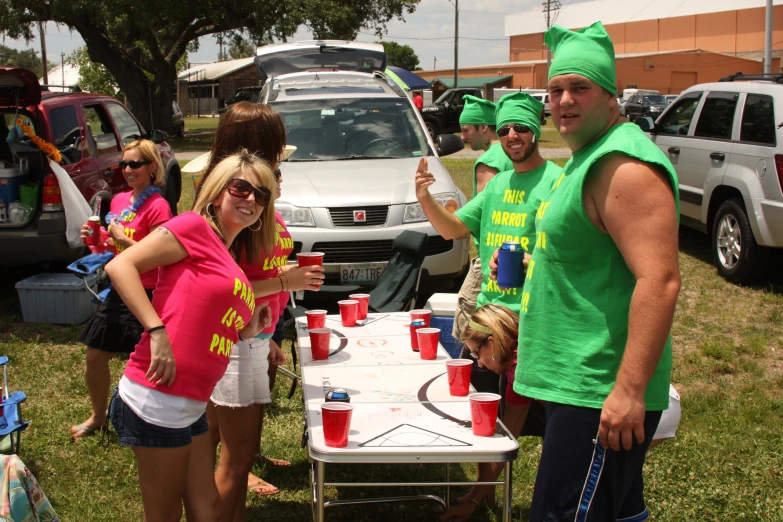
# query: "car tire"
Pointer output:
{"type": "Point", "coordinates": [170, 193]}
{"type": "Point", "coordinates": [180, 132]}
{"type": "Point", "coordinates": [432, 128]}
{"type": "Point", "coordinates": [737, 256]}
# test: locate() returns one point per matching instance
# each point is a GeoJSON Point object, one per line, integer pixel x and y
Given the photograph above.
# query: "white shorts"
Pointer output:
{"type": "Point", "coordinates": [670, 419]}
{"type": "Point", "coordinates": [246, 381]}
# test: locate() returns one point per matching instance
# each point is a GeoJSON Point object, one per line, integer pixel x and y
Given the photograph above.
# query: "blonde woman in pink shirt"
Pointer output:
{"type": "Point", "coordinates": [203, 304]}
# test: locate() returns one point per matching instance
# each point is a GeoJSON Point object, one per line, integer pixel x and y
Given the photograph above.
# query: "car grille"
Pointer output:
{"type": "Point", "coordinates": [343, 216]}
{"type": "Point", "coordinates": [372, 251]}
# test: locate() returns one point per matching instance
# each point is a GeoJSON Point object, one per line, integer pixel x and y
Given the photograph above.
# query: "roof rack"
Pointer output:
{"type": "Point", "coordinates": [769, 77]}
{"type": "Point", "coordinates": [73, 88]}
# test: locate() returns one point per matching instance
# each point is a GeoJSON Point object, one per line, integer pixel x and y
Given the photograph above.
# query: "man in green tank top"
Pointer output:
{"type": "Point", "coordinates": [478, 130]}
{"type": "Point", "coordinates": [599, 295]}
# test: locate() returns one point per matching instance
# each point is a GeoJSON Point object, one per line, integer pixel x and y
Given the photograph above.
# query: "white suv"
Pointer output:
{"type": "Point", "coordinates": [725, 143]}
{"type": "Point", "coordinates": [349, 189]}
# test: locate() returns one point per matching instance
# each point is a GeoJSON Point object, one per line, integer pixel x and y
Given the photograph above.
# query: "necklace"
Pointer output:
{"type": "Point", "coordinates": [136, 205]}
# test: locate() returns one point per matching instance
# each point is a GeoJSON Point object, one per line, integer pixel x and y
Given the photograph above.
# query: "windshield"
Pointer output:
{"type": "Point", "coordinates": [350, 128]}
{"type": "Point", "coordinates": [655, 100]}
{"type": "Point", "coordinates": [246, 95]}
{"type": "Point", "coordinates": [443, 97]}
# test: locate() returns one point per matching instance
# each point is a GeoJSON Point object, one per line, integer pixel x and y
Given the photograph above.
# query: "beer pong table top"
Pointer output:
{"type": "Point", "coordinates": [403, 412]}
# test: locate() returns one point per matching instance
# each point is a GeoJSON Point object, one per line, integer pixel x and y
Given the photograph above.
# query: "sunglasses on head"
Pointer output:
{"type": "Point", "coordinates": [133, 164]}
{"type": "Point", "coordinates": [277, 174]}
{"type": "Point", "coordinates": [518, 128]}
{"type": "Point", "coordinates": [242, 189]}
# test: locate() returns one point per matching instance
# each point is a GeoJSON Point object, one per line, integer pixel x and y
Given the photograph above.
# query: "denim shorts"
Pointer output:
{"type": "Point", "coordinates": [135, 431]}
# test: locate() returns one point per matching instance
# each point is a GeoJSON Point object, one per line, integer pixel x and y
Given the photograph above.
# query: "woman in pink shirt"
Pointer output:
{"type": "Point", "coordinates": [236, 409]}
{"type": "Point", "coordinates": [114, 329]}
{"type": "Point", "coordinates": [203, 304]}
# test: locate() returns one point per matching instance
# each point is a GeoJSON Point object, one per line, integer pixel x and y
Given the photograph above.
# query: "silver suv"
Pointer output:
{"type": "Point", "coordinates": [349, 188]}
{"type": "Point", "coordinates": [722, 139]}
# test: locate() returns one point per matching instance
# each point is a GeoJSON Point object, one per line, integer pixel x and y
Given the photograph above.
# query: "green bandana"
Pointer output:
{"type": "Point", "coordinates": [477, 111]}
{"type": "Point", "coordinates": [520, 107]}
{"type": "Point", "coordinates": [588, 52]}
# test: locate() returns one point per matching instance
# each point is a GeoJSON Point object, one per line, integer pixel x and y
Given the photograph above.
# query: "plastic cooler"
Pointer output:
{"type": "Point", "coordinates": [443, 307]}
{"type": "Point", "coordinates": [56, 298]}
{"type": "Point", "coordinates": [10, 181]}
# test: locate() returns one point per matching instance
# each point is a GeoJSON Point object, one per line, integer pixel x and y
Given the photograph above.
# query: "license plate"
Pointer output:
{"type": "Point", "coordinates": [364, 273]}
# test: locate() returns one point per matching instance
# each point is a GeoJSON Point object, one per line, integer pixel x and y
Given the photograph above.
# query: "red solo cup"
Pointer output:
{"type": "Point", "coordinates": [459, 376]}
{"type": "Point", "coordinates": [349, 310]}
{"type": "Point", "coordinates": [94, 237]}
{"type": "Point", "coordinates": [319, 343]}
{"type": "Point", "coordinates": [484, 413]}
{"type": "Point", "coordinates": [428, 342]}
{"type": "Point", "coordinates": [364, 305]}
{"type": "Point", "coordinates": [309, 258]}
{"type": "Point", "coordinates": [316, 319]}
{"type": "Point", "coordinates": [337, 423]}
{"type": "Point", "coordinates": [422, 314]}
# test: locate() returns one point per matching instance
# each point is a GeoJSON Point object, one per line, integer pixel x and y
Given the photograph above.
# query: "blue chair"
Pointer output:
{"type": "Point", "coordinates": [11, 423]}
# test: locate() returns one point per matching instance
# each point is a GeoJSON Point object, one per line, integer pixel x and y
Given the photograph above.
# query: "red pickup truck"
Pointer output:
{"type": "Point", "coordinates": [90, 131]}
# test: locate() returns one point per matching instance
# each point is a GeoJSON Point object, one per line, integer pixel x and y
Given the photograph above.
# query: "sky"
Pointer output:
{"type": "Point", "coordinates": [429, 30]}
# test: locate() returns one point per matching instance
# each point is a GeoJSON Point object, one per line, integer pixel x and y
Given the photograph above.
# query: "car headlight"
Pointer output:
{"type": "Point", "coordinates": [655, 109]}
{"type": "Point", "coordinates": [415, 214]}
{"type": "Point", "coordinates": [295, 216]}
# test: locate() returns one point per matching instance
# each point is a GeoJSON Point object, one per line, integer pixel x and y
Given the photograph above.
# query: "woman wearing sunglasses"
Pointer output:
{"type": "Point", "coordinates": [133, 215]}
{"type": "Point", "coordinates": [203, 304]}
{"type": "Point", "coordinates": [236, 409]}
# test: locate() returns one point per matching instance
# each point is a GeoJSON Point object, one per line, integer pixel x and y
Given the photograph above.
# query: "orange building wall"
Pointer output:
{"type": "Point", "coordinates": [717, 32]}
{"type": "Point", "coordinates": [677, 34]}
{"type": "Point", "coordinates": [527, 47]}
{"type": "Point", "coordinates": [641, 37]}
{"type": "Point", "coordinates": [617, 34]}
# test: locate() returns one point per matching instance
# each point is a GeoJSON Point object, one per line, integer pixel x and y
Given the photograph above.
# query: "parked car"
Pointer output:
{"type": "Point", "coordinates": [443, 115]}
{"type": "Point", "coordinates": [644, 105]}
{"type": "Point", "coordinates": [251, 94]}
{"type": "Point", "coordinates": [725, 142]}
{"type": "Point", "coordinates": [670, 98]}
{"type": "Point", "coordinates": [543, 98]}
{"type": "Point", "coordinates": [177, 121]}
{"type": "Point", "coordinates": [89, 130]}
{"type": "Point", "coordinates": [349, 188]}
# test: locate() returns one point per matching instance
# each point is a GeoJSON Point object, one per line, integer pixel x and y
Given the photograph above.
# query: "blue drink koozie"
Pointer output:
{"type": "Point", "coordinates": [510, 273]}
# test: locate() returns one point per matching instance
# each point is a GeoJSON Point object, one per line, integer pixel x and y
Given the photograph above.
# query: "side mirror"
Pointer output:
{"type": "Point", "coordinates": [646, 124]}
{"type": "Point", "coordinates": [157, 136]}
{"type": "Point", "coordinates": [449, 144]}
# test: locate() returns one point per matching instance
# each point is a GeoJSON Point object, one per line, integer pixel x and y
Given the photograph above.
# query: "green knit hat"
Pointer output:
{"type": "Point", "coordinates": [587, 52]}
{"type": "Point", "coordinates": [520, 107]}
{"type": "Point", "coordinates": [477, 111]}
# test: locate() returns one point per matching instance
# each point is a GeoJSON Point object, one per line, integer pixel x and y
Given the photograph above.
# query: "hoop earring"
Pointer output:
{"type": "Point", "coordinates": [255, 229]}
{"type": "Point", "coordinates": [210, 213]}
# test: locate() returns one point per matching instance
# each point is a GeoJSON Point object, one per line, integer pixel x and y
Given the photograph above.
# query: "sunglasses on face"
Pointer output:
{"type": "Point", "coordinates": [518, 128]}
{"type": "Point", "coordinates": [242, 189]}
{"type": "Point", "coordinates": [133, 164]}
{"type": "Point", "coordinates": [277, 174]}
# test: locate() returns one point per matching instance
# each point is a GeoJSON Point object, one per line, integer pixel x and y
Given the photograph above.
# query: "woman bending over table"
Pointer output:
{"type": "Point", "coordinates": [203, 304]}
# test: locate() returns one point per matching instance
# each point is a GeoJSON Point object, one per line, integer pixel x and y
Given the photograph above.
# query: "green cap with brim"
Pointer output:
{"type": "Point", "coordinates": [588, 52]}
{"type": "Point", "coordinates": [477, 111]}
{"type": "Point", "coordinates": [520, 107]}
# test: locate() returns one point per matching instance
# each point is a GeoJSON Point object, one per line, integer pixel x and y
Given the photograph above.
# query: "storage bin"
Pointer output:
{"type": "Point", "coordinates": [442, 305]}
{"type": "Point", "coordinates": [453, 346]}
{"type": "Point", "coordinates": [29, 194]}
{"type": "Point", "coordinates": [56, 298]}
{"type": "Point", "coordinates": [11, 178]}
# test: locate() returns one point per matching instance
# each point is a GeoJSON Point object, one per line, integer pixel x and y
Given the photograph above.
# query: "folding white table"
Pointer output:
{"type": "Point", "coordinates": [403, 412]}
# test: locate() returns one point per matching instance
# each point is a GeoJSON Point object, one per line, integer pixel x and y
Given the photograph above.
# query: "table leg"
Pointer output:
{"type": "Point", "coordinates": [507, 493]}
{"type": "Point", "coordinates": [319, 491]}
{"type": "Point", "coordinates": [448, 487]}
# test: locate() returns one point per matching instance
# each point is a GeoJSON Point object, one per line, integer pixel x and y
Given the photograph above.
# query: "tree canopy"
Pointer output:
{"type": "Point", "coordinates": [401, 55]}
{"type": "Point", "coordinates": [141, 41]}
{"type": "Point", "coordinates": [27, 59]}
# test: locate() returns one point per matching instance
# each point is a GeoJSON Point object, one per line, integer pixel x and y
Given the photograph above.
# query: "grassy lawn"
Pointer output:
{"type": "Point", "coordinates": [725, 464]}
{"type": "Point", "coordinates": [204, 123]}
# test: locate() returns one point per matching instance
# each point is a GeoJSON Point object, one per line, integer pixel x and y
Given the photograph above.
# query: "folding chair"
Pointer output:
{"type": "Point", "coordinates": [397, 288]}
{"type": "Point", "coordinates": [11, 423]}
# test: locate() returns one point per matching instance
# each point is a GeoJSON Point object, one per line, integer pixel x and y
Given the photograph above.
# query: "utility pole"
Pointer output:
{"type": "Point", "coordinates": [45, 66]}
{"type": "Point", "coordinates": [456, 42]}
{"type": "Point", "coordinates": [550, 7]}
{"type": "Point", "coordinates": [62, 69]}
{"type": "Point", "coordinates": [434, 63]}
{"type": "Point", "coordinates": [768, 40]}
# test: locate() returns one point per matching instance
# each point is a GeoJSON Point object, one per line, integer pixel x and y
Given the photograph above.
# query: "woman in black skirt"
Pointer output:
{"type": "Point", "coordinates": [133, 215]}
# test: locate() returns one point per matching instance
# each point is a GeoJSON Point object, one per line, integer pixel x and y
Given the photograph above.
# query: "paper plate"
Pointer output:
{"type": "Point", "coordinates": [200, 163]}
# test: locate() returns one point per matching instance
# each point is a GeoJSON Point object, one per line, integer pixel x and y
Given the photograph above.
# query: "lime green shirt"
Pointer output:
{"type": "Point", "coordinates": [505, 211]}
{"type": "Point", "coordinates": [577, 294]}
{"type": "Point", "coordinates": [495, 158]}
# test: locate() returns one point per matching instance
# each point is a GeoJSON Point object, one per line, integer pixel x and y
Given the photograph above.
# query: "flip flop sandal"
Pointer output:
{"type": "Point", "coordinates": [83, 430]}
